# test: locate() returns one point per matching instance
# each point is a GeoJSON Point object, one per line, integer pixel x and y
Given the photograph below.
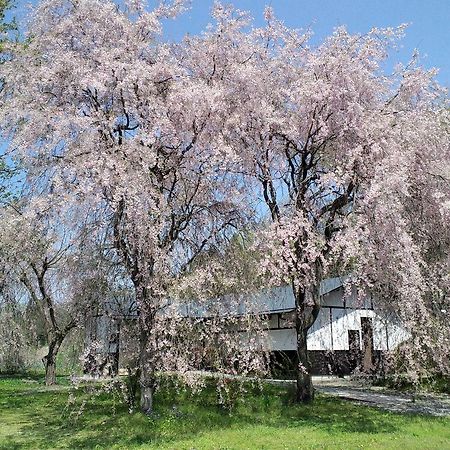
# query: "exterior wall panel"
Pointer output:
{"type": "Point", "coordinates": [319, 335]}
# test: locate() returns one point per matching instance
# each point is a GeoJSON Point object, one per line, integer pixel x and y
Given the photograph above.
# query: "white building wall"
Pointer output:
{"type": "Point", "coordinates": [333, 335]}
{"type": "Point", "coordinates": [344, 320]}
{"type": "Point", "coordinates": [319, 335]}
{"type": "Point", "coordinates": [330, 331]}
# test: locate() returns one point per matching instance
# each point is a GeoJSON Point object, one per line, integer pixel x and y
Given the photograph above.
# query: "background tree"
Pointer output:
{"type": "Point", "coordinates": [41, 254]}
{"type": "Point", "coordinates": [13, 336]}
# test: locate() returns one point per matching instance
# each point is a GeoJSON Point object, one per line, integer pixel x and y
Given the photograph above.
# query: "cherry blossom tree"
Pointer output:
{"type": "Point", "coordinates": [112, 115]}
{"type": "Point", "coordinates": [337, 149]}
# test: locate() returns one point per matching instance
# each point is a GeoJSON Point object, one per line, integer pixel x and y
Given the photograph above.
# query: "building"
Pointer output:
{"type": "Point", "coordinates": [349, 332]}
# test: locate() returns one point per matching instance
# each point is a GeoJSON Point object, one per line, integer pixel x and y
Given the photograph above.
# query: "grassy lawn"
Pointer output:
{"type": "Point", "coordinates": [35, 417]}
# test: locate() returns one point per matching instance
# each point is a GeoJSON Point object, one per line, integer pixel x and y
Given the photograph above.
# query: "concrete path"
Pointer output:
{"type": "Point", "coordinates": [347, 389]}
{"type": "Point", "coordinates": [432, 404]}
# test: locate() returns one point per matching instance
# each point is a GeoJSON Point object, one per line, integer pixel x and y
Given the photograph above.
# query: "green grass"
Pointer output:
{"type": "Point", "coordinates": [35, 417]}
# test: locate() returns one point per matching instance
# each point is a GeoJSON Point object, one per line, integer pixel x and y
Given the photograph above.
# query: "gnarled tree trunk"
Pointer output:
{"type": "Point", "coordinates": [49, 360]}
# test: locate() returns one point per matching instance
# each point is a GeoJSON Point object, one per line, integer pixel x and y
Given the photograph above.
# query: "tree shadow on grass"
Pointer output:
{"type": "Point", "coordinates": [51, 423]}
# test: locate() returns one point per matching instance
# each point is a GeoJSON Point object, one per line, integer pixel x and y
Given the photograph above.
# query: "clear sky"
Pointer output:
{"type": "Point", "coordinates": [429, 31]}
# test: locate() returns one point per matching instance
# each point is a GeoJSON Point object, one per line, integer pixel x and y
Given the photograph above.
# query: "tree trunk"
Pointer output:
{"type": "Point", "coordinates": [147, 352]}
{"type": "Point", "coordinates": [147, 374]}
{"type": "Point", "coordinates": [305, 389]}
{"type": "Point", "coordinates": [147, 391]}
{"type": "Point", "coordinates": [50, 370]}
{"type": "Point", "coordinates": [49, 361]}
{"type": "Point", "coordinates": [140, 277]}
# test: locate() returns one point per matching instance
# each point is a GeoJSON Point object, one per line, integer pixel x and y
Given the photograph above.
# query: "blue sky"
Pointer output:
{"type": "Point", "coordinates": [429, 31]}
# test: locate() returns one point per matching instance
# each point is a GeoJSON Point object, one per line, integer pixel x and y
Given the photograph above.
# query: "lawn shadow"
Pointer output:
{"type": "Point", "coordinates": [180, 416]}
